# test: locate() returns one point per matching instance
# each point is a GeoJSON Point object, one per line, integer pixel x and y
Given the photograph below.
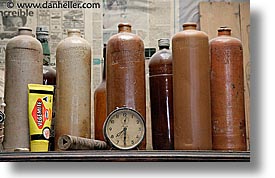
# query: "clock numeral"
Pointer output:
{"type": "Point", "coordinates": [137, 136]}
{"type": "Point", "coordinates": [112, 121]}
{"type": "Point", "coordinates": [112, 136]}
{"type": "Point", "coordinates": [117, 115]}
{"type": "Point", "coordinates": [124, 114]}
{"type": "Point", "coordinates": [117, 141]}
{"type": "Point", "coordinates": [132, 115]}
{"type": "Point", "coordinates": [132, 141]}
{"type": "Point", "coordinates": [139, 129]}
{"type": "Point", "coordinates": [137, 121]}
{"type": "Point", "coordinates": [110, 128]}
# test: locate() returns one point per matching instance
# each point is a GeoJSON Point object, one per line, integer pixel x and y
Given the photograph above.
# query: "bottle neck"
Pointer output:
{"type": "Point", "coordinates": [74, 32]}
{"type": "Point", "coordinates": [124, 27]}
{"type": "Point", "coordinates": [25, 31]}
{"type": "Point", "coordinates": [226, 33]}
{"type": "Point", "coordinates": [163, 47]}
{"type": "Point", "coordinates": [104, 62]}
{"type": "Point", "coordinates": [189, 26]}
{"type": "Point", "coordinates": [104, 70]}
{"type": "Point", "coordinates": [46, 50]}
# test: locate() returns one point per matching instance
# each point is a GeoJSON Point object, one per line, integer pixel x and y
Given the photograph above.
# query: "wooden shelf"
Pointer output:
{"type": "Point", "coordinates": [126, 156]}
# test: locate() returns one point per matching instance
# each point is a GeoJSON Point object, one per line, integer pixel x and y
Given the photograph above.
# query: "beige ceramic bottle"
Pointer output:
{"type": "Point", "coordinates": [73, 106]}
{"type": "Point", "coordinates": [23, 66]}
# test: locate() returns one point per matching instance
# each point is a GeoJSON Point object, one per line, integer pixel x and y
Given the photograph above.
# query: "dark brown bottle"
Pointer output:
{"type": "Point", "coordinates": [100, 102]}
{"type": "Point", "coordinates": [227, 92]}
{"type": "Point", "coordinates": [73, 104]}
{"type": "Point", "coordinates": [126, 72]}
{"type": "Point", "coordinates": [23, 66]}
{"type": "Point", "coordinates": [191, 89]}
{"type": "Point", "coordinates": [161, 97]}
{"type": "Point", "coordinates": [49, 73]}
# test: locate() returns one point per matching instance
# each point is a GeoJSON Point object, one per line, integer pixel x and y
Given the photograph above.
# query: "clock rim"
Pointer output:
{"type": "Point", "coordinates": [109, 117]}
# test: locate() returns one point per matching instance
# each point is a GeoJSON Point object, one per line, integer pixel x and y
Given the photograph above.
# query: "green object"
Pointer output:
{"type": "Point", "coordinates": [96, 61]}
{"type": "Point", "coordinates": [42, 35]}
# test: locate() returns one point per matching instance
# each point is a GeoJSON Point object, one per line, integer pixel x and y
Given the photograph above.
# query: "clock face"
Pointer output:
{"type": "Point", "coordinates": [124, 128]}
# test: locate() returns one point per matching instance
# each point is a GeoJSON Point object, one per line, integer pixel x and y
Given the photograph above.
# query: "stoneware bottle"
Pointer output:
{"type": "Point", "coordinates": [73, 107]}
{"type": "Point", "coordinates": [161, 97]}
{"type": "Point", "coordinates": [126, 72]}
{"type": "Point", "coordinates": [227, 92]}
{"type": "Point", "coordinates": [100, 102]}
{"type": "Point", "coordinates": [24, 65]}
{"type": "Point", "coordinates": [191, 86]}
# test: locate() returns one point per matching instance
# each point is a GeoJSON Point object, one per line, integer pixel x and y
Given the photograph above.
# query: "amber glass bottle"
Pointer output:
{"type": "Point", "coordinates": [161, 97]}
{"type": "Point", "coordinates": [100, 102]}
{"type": "Point", "coordinates": [73, 106]}
{"type": "Point", "coordinates": [23, 65]}
{"type": "Point", "coordinates": [191, 87]}
{"type": "Point", "coordinates": [227, 92]}
{"type": "Point", "coordinates": [126, 72]}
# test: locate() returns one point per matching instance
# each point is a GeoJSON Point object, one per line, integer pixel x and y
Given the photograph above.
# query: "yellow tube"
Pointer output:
{"type": "Point", "coordinates": [40, 116]}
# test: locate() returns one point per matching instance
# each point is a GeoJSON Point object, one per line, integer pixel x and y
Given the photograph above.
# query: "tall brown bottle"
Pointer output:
{"type": "Point", "coordinates": [227, 92]}
{"type": "Point", "coordinates": [100, 102]}
{"type": "Point", "coordinates": [126, 72]}
{"type": "Point", "coordinates": [49, 73]}
{"type": "Point", "coordinates": [24, 65]}
{"type": "Point", "coordinates": [161, 97]}
{"type": "Point", "coordinates": [73, 107]}
{"type": "Point", "coordinates": [191, 87]}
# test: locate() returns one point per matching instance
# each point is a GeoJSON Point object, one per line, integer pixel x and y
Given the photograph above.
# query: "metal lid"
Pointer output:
{"type": "Point", "coordinates": [42, 30]}
{"type": "Point", "coordinates": [164, 42]}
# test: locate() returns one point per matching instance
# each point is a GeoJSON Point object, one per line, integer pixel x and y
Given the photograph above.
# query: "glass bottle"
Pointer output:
{"type": "Point", "coordinates": [100, 102]}
{"type": "Point", "coordinates": [161, 97]}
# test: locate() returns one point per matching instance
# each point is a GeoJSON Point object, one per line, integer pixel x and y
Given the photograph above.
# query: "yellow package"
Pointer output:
{"type": "Point", "coordinates": [40, 116]}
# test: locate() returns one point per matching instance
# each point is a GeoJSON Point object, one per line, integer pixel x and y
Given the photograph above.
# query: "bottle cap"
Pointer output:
{"type": "Point", "coordinates": [42, 30]}
{"type": "Point", "coordinates": [164, 42]}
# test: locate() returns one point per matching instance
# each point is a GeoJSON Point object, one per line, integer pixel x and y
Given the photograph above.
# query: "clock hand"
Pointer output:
{"type": "Point", "coordinates": [119, 133]}
{"type": "Point", "coordinates": [125, 129]}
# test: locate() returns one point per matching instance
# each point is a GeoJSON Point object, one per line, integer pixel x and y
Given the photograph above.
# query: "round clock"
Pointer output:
{"type": "Point", "coordinates": [124, 128]}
